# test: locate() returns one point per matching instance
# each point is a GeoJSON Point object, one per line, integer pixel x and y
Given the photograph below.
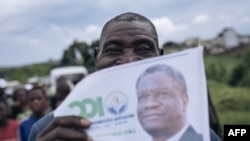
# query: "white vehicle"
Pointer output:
{"type": "Point", "coordinates": [71, 73]}
{"type": "Point", "coordinates": [11, 86]}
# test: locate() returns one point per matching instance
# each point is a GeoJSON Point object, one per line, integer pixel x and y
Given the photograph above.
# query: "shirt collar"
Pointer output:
{"type": "Point", "coordinates": [178, 135]}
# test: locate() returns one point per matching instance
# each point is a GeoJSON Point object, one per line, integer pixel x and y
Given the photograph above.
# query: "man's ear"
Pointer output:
{"type": "Point", "coordinates": [96, 52]}
{"type": "Point", "coordinates": [185, 101]}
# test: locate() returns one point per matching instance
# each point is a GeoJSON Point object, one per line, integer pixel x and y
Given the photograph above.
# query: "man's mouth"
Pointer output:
{"type": "Point", "coordinates": [152, 116]}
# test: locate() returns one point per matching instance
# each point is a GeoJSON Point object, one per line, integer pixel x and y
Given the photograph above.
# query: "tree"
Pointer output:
{"type": "Point", "coordinates": [78, 54]}
{"type": "Point", "coordinates": [241, 73]}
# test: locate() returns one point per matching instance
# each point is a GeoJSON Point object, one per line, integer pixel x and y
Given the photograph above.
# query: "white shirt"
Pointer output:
{"type": "Point", "coordinates": [179, 134]}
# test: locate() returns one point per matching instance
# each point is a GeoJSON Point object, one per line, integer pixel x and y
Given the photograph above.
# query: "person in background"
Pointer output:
{"type": "Point", "coordinates": [126, 38]}
{"type": "Point", "coordinates": [8, 128]}
{"type": "Point", "coordinates": [37, 100]}
{"type": "Point", "coordinates": [3, 85]}
{"type": "Point", "coordinates": [78, 79]}
{"type": "Point", "coordinates": [62, 91]}
{"type": "Point", "coordinates": [20, 109]}
{"type": "Point", "coordinates": [63, 88]}
{"type": "Point", "coordinates": [2, 94]}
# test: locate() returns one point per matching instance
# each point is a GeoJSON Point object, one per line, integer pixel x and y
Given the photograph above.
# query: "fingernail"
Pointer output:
{"type": "Point", "coordinates": [85, 122]}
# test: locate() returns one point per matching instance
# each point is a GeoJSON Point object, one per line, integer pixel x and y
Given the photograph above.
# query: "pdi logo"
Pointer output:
{"type": "Point", "coordinates": [116, 102]}
{"type": "Point", "coordinates": [89, 107]}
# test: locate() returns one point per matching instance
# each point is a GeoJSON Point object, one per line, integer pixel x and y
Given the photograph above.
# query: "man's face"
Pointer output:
{"type": "Point", "coordinates": [125, 42]}
{"type": "Point", "coordinates": [37, 101]}
{"type": "Point", "coordinates": [22, 95]}
{"type": "Point", "coordinates": [161, 103]}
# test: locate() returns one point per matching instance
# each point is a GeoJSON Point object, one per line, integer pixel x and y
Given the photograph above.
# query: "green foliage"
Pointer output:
{"type": "Point", "coordinates": [217, 72]}
{"type": "Point", "coordinates": [224, 73]}
{"type": "Point", "coordinates": [86, 55]}
{"type": "Point", "coordinates": [231, 103]}
{"type": "Point", "coordinates": [234, 104]}
{"type": "Point", "coordinates": [219, 68]}
{"type": "Point", "coordinates": [67, 58]}
{"type": "Point", "coordinates": [43, 69]}
{"type": "Point", "coordinates": [246, 59]}
{"type": "Point", "coordinates": [241, 73]}
{"type": "Point", "coordinates": [94, 44]}
{"type": "Point", "coordinates": [237, 75]}
{"type": "Point", "coordinates": [233, 70]}
{"type": "Point", "coordinates": [23, 73]}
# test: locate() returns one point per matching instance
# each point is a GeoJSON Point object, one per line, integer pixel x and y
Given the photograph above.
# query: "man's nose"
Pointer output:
{"type": "Point", "coordinates": [152, 102]}
{"type": "Point", "coordinates": [127, 57]}
{"type": "Point", "coordinates": [35, 101]}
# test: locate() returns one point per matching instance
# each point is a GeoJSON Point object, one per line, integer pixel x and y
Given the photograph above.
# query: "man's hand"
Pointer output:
{"type": "Point", "coordinates": [65, 128]}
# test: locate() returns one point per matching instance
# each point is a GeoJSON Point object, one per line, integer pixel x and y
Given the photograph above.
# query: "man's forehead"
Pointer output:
{"type": "Point", "coordinates": [156, 76]}
{"type": "Point", "coordinates": [118, 29]}
{"type": "Point", "coordinates": [159, 80]}
{"type": "Point", "coordinates": [138, 26]}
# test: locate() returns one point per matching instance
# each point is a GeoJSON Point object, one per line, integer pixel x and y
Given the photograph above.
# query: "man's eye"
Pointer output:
{"type": "Point", "coordinates": [112, 51]}
{"type": "Point", "coordinates": [163, 95]}
{"type": "Point", "coordinates": [141, 98]}
{"type": "Point", "coordinates": [144, 49]}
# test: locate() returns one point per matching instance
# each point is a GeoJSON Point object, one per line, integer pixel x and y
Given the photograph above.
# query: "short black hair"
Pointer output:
{"type": "Point", "coordinates": [2, 92]}
{"type": "Point", "coordinates": [38, 88]}
{"type": "Point", "coordinates": [14, 95]}
{"type": "Point", "coordinates": [129, 17]}
{"type": "Point", "coordinates": [170, 71]}
{"type": "Point", "coordinates": [63, 88]}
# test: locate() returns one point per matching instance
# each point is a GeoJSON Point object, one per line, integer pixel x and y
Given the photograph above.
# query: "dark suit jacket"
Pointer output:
{"type": "Point", "coordinates": [191, 135]}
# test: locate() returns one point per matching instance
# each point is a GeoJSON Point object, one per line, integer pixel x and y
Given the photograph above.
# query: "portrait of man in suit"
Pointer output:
{"type": "Point", "coordinates": [162, 104]}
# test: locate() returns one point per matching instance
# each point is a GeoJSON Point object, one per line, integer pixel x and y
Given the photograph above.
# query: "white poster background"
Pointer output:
{"type": "Point", "coordinates": [122, 79]}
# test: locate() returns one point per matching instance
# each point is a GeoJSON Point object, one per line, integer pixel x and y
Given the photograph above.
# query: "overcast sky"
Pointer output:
{"type": "Point", "coordinates": [34, 31]}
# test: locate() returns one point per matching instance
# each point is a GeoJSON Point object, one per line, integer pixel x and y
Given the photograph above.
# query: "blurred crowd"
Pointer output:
{"type": "Point", "coordinates": [26, 105]}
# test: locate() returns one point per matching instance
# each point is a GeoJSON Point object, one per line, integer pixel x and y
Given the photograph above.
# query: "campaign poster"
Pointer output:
{"type": "Point", "coordinates": [162, 98]}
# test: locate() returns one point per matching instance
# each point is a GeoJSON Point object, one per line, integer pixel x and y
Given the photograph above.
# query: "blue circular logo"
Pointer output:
{"type": "Point", "coordinates": [116, 102]}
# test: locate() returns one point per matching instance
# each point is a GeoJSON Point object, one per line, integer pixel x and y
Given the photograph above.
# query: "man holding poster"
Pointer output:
{"type": "Point", "coordinates": [162, 105]}
{"type": "Point", "coordinates": [128, 37]}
